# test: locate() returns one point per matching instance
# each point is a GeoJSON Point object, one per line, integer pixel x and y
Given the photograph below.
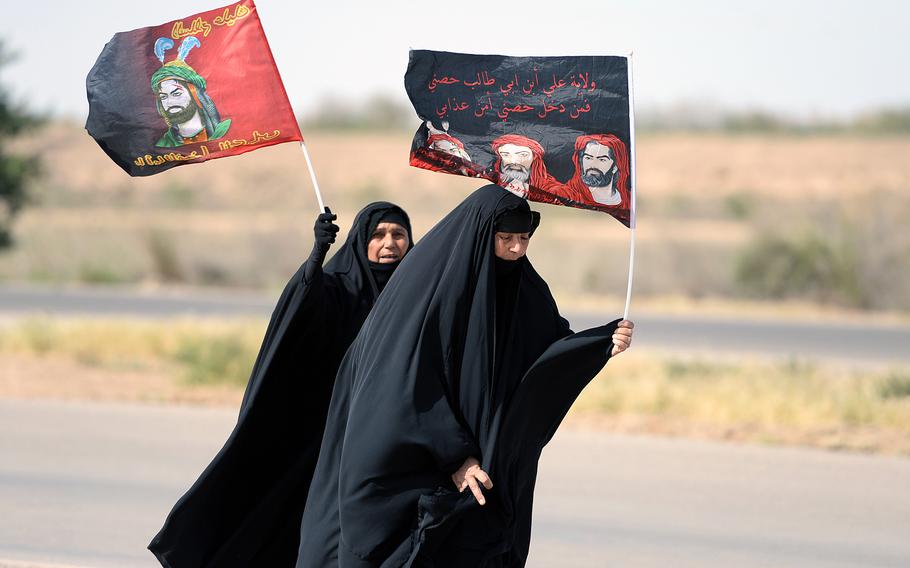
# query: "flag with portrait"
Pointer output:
{"type": "Point", "coordinates": [550, 129]}
{"type": "Point", "coordinates": [194, 89]}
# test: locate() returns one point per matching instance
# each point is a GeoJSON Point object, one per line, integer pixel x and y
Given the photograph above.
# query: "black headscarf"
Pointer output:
{"type": "Point", "coordinates": [351, 263]}
{"type": "Point", "coordinates": [245, 508]}
{"type": "Point", "coordinates": [517, 221]}
{"type": "Point", "coordinates": [428, 383]}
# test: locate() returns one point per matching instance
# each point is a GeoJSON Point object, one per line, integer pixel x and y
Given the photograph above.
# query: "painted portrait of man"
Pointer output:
{"type": "Point", "coordinates": [519, 166]}
{"type": "Point", "coordinates": [182, 100]}
{"type": "Point", "coordinates": [601, 171]}
{"type": "Point", "coordinates": [441, 141]}
{"type": "Point", "coordinates": [442, 152]}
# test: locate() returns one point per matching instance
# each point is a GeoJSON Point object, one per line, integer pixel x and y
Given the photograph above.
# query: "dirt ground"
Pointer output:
{"type": "Point", "coordinates": [59, 378]}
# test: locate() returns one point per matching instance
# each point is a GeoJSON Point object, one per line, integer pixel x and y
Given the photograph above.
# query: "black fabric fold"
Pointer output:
{"type": "Point", "coordinates": [382, 271]}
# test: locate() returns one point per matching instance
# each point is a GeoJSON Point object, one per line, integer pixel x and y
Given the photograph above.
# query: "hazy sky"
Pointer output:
{"type": "Point", "coordinates": [802, 58]}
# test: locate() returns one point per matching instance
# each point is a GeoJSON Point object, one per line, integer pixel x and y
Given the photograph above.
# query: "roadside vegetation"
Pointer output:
{"type": "Point", "coordinates": [792, 402]}
{"type": "Point", "coordinates": [17, 170]}
{"type": "Point", "coordinates": [753, 216]}
{"type": "Point", "coordinates": [745, 216]}
{"type": "Point", "coordinates": [187, 352]}
{"type": "Point", "coordinates": [208, 362]}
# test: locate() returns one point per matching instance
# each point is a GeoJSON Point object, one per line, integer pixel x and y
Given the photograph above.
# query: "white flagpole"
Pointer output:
{"type": "Point", "coordinates": [633, 190]}
{"type": "Point", "coordinates": [309, 166]}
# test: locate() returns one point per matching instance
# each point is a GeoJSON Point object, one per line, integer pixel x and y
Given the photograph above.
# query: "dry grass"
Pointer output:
{"type": "Point", "coordinates": [703, 165]}
{"type": "Point", "coordinates": [784, 402]}
{"type": "Point", "coordinates": [208, 362]}
{"type": "Point", "coordinates": [189, 352]}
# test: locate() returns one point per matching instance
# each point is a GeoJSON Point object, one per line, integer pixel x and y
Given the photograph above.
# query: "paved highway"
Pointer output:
{"type": "Point", "coordinates": [85, 484]}
{"type": "Point", "coordinates": [830, 340]}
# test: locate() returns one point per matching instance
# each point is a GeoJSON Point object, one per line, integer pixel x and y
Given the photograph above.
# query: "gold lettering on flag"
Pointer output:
{"type": "Point", "coordinates": [199, 26]}
{"type": "Point", "coordinates": [257, 137]}
{"type": "Point", "coordinates": [149, 160]}
{"type": "Point", "coordinates": [228, 19]}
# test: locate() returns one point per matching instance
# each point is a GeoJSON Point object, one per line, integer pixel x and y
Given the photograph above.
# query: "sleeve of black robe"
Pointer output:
{"type": "Point", "coordinates": [302, 308]}
{"type": "Point", "coordinates": [541, 403]}
{"type": "Point", "coordinates": [453, 530]}
{"type": "Point", "coordinates": [236, 513]}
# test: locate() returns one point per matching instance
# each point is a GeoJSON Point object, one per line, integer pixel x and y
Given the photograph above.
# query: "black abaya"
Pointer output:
{"type": "Point", "coordinates": [432, 380]}
{"type": "Point", "coordinates": [245, 508]}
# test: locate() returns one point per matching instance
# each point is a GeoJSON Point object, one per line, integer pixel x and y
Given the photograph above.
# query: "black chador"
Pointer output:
{"type": "Point", "coordinates": [245, 508]}
{"type": "Point", "coordinates": [461, 357]}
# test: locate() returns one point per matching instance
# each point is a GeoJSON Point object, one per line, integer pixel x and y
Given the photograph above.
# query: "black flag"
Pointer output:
{"type": "Point", "coordinates": [550, 129]}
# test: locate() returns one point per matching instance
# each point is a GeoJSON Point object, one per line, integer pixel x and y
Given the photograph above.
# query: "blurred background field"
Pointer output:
{"type": "Point", "coordinates": [745, 213]}
{"type": "Point", "coordinates": [742, 223]}
{"type": "Point", "coordinates": [814, 218]}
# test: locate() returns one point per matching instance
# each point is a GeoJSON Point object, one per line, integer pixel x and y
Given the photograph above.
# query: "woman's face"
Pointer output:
{"type": "Point", "coordinates": [388, 243]}
{"type": "Point", "coordinates": [511, 246]}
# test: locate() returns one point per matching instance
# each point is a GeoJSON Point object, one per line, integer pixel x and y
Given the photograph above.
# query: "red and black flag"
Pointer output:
{"type": "Point", "coordinates": [187, 91]}
{"type": "Point", "coordinates": [551, 129]}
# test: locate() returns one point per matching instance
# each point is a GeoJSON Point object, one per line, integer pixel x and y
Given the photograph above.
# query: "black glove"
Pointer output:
{"type": "Point", "coordinates": [324, 232]}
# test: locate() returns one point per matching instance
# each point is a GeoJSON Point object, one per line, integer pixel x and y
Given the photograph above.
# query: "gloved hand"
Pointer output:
{"type": "Point", "coordinates": [324, 232]}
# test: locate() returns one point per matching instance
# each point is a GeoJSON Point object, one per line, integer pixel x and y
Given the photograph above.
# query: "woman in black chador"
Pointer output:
{"type": "Point", "coordinates": [460, 375]}
{"type": "Point", "coordinates": [245, 508]}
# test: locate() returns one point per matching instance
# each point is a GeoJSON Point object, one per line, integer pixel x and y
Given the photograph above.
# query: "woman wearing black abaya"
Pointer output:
{"type": "Point", "coordinates": [245, 508]}
{"type": "Point", "coordinates": [464, 357]}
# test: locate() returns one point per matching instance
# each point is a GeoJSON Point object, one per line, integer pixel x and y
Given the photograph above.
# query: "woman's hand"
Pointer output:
{"type": "Point", "coordinates": [622, 337]}
{"type": "Point", "coordinates": [470, 475]}
{"type": "Point", "coordinates": [324, 231]}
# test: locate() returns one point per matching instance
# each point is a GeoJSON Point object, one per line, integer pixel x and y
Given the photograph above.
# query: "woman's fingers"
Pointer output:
{"type": "Point", "coordinates": [483, 478]}
{"type": "Point", "coordinates": [475, 489]}
{"type": "Point", "coordinates": [470, 475]}
{"type": "Point", "coordinates": [622, 336]}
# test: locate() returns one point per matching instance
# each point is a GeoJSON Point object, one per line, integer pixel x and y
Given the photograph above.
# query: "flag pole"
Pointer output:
{"type": "Point", "coordinates": [633, 191]}
{"type": "Point", "coordinates": [309, 166]}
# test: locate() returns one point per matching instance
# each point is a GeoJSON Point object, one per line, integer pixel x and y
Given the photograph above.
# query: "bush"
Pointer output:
{"type": "Point", "coordinates": [95, 273]}
{"type": "Point", "coordinates": [16, 172]}
{"type": "Point", "coordinates": [740, 206]}
{"type": "Point", "coordinates": [212, 360]}
{"type": "Point", "coordinates": [854, 254]}
{"type": "Point", "coordinates": [895, 385]}
{"type": "Point", "coordinates": [177, 196]}
{"type": "Point", "coordinates": [165, 262]}
{"type": "Point", "coordinates": [803, 267]}
{"type": "Point", "coordinates": [39, 336]}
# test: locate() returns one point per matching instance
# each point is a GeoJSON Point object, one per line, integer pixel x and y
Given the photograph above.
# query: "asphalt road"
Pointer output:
{"type": "Point", "coordinates": [830, 340]}
{"type": "Point", "coordinates": [89, 484]}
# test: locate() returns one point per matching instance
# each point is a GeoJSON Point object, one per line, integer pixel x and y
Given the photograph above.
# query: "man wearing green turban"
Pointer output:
{"type": "Point", "coordinates": [187, 109]}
